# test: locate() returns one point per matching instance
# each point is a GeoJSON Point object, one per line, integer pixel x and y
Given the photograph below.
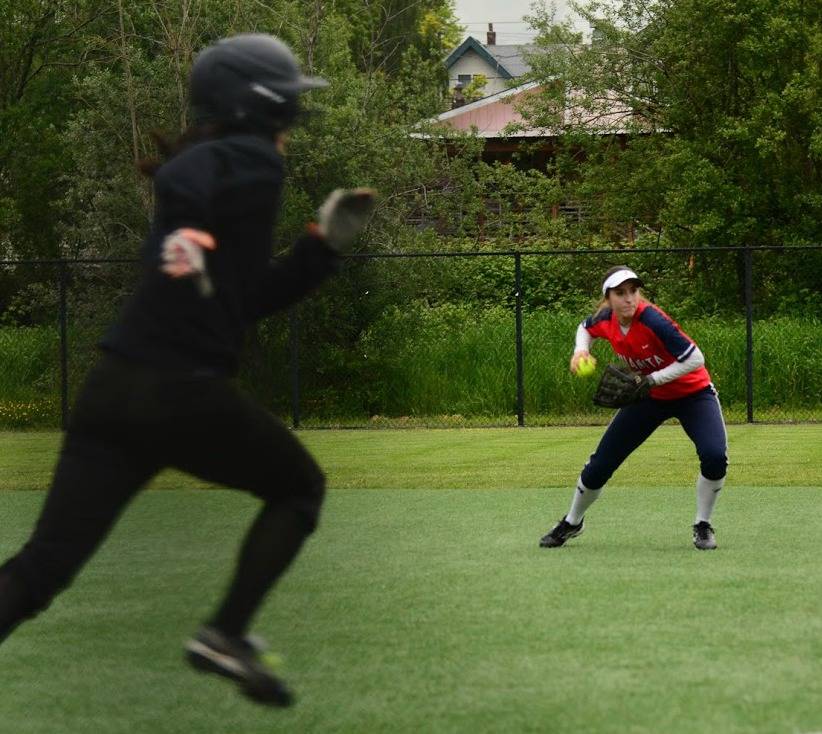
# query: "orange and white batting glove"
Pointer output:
{"type": "Point", "coordinates": [183, 256]}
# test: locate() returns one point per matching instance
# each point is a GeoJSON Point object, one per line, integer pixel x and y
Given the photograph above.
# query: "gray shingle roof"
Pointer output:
{"type": "Point", "coordinates": [512, 58]}
{"type": "Point", "coordinates": [509, 61]}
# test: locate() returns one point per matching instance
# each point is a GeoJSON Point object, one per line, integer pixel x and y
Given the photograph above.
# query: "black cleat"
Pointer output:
{"type": "Point", "coordinates": [561, 532]}
{"type": "Point", "coordinates": [704, 536]}
{"type": "Point", "coordinates": [238, 658]}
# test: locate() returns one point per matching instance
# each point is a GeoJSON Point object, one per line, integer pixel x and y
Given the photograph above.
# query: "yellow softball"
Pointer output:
{"type": "Point", "coordinates": [586, 367]}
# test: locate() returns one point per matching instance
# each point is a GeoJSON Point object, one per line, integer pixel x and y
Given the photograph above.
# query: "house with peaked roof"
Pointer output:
{"type": "Point", "coordinates": [499, 121]}
{"type": "Point", "coordinates": [498, 64]}
{"type": "Point", "coordinates": [497, 117]}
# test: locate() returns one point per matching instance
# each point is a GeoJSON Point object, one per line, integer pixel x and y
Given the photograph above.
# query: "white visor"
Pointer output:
{"type": "Point", "coordinates": [618, 278]}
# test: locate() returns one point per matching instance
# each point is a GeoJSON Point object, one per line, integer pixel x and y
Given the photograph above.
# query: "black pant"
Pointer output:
{"type": "Point", "coordinates": [700, 416]}
{"type": "Point", "coordinates": [129, 423]}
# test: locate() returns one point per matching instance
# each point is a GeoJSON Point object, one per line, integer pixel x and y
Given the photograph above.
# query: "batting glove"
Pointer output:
{"type": "Point", "coordinates": [344, 215]}
{"type": "Point", "coordinates": [183, 256]}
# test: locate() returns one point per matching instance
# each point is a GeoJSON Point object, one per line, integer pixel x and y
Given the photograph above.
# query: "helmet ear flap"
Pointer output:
{"type": "Point", "coordinates": [265, 109]}
{"type": "Point", "coordinates": [250, 80]}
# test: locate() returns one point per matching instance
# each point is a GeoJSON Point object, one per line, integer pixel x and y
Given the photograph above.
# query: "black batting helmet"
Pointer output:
{"type": "Point", "coordinates": [251, 80]}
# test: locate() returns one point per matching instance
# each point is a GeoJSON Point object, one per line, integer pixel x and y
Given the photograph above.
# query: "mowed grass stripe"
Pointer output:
{"type": "Point", "coordinates": [489, 458]}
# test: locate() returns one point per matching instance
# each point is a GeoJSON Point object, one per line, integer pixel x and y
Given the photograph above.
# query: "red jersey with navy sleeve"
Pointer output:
{"type": "Point", "coordinates": [654, 340]}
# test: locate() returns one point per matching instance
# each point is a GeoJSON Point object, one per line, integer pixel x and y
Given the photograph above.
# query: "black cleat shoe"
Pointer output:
{"type": "Point", "coordinates": [561, 532]}
{"type": "Point", "coordinates": [210, 651]}
{"type": "Point", "coordinates": [704, 536]}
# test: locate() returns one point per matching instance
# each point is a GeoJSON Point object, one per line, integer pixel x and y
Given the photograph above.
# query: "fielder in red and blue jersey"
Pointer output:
{"type": "Point", "coordinates": [653, 345]}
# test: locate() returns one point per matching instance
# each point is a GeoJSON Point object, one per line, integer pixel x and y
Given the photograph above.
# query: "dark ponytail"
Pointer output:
{"type": "Point", "coordinates": [167, 149]}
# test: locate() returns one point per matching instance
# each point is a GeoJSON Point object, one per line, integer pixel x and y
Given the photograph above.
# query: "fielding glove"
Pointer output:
{"type": "Point", "coordinates": [620, 386]}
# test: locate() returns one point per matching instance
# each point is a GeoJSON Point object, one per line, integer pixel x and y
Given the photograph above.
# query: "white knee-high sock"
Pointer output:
{"type": "Point", "coordinates": [707, 490]}
{"type": "Point", "coordinates": [583, 499]}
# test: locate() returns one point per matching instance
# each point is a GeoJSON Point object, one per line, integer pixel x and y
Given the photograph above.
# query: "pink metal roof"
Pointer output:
{"type": "Point", "coordinates": [491, 115]}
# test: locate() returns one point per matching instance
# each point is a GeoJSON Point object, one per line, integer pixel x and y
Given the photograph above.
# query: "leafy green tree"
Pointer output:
{"type": "Point", "coordinates": [41, 47]}
{"type": "Point", "coordinates": [699, 120]}
{"type": "Point", "coordinates": [381, 31]}
{"type": "Point", "coordinates": [729, 91]}
{"type": "Point", "coordinates": [476, 89]}
{"type": "Point", "coordinates": [131, 81]}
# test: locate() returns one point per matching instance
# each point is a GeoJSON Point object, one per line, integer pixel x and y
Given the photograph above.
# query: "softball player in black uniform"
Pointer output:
{"type": "Point", "coordinates": [161, 396]}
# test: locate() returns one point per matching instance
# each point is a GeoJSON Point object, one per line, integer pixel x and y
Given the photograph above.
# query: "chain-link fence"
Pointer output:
{"type": "Point", "coordinates": [447, 339]}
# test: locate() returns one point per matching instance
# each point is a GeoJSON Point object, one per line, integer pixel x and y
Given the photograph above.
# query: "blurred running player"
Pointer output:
{"type": "Point", "coordinates": [162, 394]}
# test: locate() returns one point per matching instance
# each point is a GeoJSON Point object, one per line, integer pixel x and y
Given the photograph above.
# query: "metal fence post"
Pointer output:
{"type": "Point", "coordinates": [294, 359]}
{"type": "Point", "coordinates": [748, 256]}
{"type": "Point", "coordinates": [520, 377]}
{"type": "Point", "coordinates": [62, 286]}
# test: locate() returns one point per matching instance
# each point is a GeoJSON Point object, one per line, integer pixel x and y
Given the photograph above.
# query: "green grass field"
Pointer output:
{"type": "Point", "coordinates": [423, 603]}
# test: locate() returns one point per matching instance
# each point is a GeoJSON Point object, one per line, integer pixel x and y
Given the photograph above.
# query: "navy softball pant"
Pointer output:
{"type": "Point", "coordinates": [700, 416]}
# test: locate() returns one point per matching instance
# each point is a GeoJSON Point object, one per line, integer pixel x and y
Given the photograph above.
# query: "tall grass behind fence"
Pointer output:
{"type": "Point", "coordinates": [27, 355]}
{"type": "Point", "coordinates": [420, 341]}
{"type": "Point", "coordinates": [449, 360]}
{"type": "Point", "coordinates": [787, 376]}
{"type": "Point", "coordinates": [29, 377]}
{"type": "Point", "coordinates": [449, 365]}
{"type": "Point", "coordinates": [443, 361]}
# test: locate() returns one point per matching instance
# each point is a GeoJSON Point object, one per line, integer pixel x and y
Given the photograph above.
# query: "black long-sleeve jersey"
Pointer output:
{"type": "Point", "coordinates": [229, 187]}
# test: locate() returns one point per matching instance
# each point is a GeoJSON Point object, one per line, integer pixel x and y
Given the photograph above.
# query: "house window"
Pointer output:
{"type": "Point", "coordinates": [464, 79]}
